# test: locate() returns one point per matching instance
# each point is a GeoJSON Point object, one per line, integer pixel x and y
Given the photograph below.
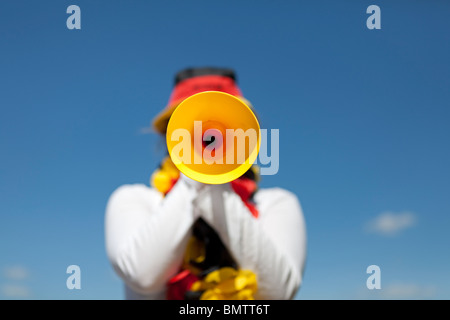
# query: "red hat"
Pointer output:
{"type": "Point", "coordinates": [194, 80]}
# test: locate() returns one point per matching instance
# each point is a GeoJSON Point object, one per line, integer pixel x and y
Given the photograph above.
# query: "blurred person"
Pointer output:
{"type": "Point", "coordinates": [182, 239]}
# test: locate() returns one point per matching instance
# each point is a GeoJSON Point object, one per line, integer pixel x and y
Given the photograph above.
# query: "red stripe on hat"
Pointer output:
{"type": "Point", "coordinates": [191, 86]}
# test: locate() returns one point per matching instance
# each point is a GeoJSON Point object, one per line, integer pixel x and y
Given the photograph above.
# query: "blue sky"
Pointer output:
{"type": "Point", "coordinates": [363, 118]}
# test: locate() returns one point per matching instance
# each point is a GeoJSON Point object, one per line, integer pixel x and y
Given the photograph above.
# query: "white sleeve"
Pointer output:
{"type": "Point", "coordinates": [146, 234]}
{"type": "Point", "coordinates": [273, 245]}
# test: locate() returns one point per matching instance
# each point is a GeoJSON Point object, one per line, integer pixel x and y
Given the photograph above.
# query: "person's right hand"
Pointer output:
{"type": "Point", "coordinates": [191, 182]}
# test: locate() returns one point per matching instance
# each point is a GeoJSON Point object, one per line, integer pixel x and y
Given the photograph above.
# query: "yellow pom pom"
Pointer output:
{"type": "Point", "coordinates": [212, 295]}
{"type": "Point", "coordinates": [227, 283]}
{"type": "Point", "coordinates": [163, 178]}
{"type": "Point", "coordinates": [220, 275]}
{"type": "Point", "coordinates": [245, 294]}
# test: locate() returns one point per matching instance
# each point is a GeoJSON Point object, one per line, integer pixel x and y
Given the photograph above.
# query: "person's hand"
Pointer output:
{"type": "Point", "coordinates": [199, 185]}
{"type": "Point", "coordinates": [192, 183]}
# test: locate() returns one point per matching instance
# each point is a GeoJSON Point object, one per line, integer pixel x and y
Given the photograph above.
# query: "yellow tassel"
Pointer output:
{"type": "Point", "coordinates": [195, 251]}
{"type": "Point", "coordinates": [162, 179]}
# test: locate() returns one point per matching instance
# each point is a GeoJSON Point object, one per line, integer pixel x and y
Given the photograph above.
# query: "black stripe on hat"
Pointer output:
{"type": "Point", "coordinates": [195, 72]}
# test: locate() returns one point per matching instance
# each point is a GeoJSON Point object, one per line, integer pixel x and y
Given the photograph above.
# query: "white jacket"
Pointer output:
{"type": "Point", "coordinates": [146, 235]}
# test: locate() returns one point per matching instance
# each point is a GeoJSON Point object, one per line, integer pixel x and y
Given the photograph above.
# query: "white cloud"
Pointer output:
{"type": "Point", "coordinates": [146, 130]}
{"type": "Point", "coordinates": [399, 291]}
{"type": "Point", "coordinates": [16, 273]}
{"type": "Point", "coordinates": [15, 291]}
{"type": "Point", "coordinates": [407, 291]}
{"type": "Point", "coordinates": [391, 223]}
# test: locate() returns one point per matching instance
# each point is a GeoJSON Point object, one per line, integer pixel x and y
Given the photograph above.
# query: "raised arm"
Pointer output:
{"type": "Point", "coordinates": [146, 234]}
